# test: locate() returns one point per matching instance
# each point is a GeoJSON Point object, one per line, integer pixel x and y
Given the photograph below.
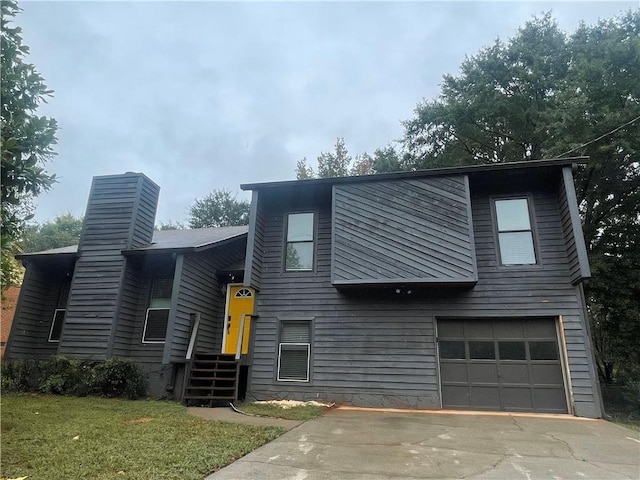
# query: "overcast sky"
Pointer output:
{"type": "Point", "coordinates": [206, 95]}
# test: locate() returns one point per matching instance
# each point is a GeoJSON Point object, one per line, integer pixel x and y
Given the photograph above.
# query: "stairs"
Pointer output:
{"type": "Point", "coordinates": [212, 379]}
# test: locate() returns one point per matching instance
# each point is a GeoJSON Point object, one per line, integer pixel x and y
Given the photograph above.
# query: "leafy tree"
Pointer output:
{"type": "Point", "coordinates": [336, 164]}
{"type": "Point", "coordinates": [63, 231]}
{"type": "Point", "coordinates": [220, 208]}
{"type": "Point", "coordinates": [170, 226]}
{"type": "Point", "coordinates": [386, 160]}
{"type": "Point", "coordinates": [26, 138]}
{"type": "Point", "coordinates": [546, 94]}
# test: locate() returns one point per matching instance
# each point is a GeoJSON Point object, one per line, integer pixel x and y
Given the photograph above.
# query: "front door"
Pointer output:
{"type": "Point", "coordinates": [239, 304]}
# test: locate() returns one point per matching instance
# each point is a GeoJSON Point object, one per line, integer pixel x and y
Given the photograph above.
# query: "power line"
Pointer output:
{"type": "Point", "coordinates": [600, 137]}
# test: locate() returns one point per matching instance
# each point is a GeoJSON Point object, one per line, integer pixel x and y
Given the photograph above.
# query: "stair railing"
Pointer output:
{"type": "Point", "coordinates": [194, 334]}
{"type": "Point", "coordinates": [241, 336]}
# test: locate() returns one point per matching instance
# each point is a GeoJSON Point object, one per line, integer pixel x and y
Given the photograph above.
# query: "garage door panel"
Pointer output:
{"type": "Point", "coordinates": [514, 373]}
{"type": "Point", "coordinates": [454, 372]}
{"type": "Point", "coordinates": [483, 373]}
{"type": "Point", "coordinates": [452, 328]}
{"type": "Point", "coordinates": [485, 397]}
{"type": "Point", "coordinates": [550, 399]}
{"type": "Point", "coordinates": [509, 328]}
{"type": "Point", "coordinates": [455, 396]}
{"type": "Point", "coordinates": [546, 374]}
{"type": "Point", "coordinates": [539, 329]}
{"type": "Point", "coordinates": [508, 364]}
{"type": "Point", "coordinates": [517, 398]}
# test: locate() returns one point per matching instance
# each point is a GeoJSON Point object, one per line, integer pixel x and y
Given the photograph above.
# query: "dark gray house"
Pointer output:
{"type": "Point", "coordinates": [455, 288]}
{"type": "Point", "coordinates": [126, 291]}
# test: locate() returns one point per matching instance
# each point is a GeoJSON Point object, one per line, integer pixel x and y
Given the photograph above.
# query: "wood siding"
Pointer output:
{"type": "Point", "coordinates": [407, 231]}
{"type": "Point", "coordinates": [29, 338]}
{"type": "Point", "coordinates": [378, 348]}
{"type": "Point", "coordinates": [120, 213]}
{"type": "Point", "coordinates": [255, 245]}
{"type": "Point", "coordinates": [572, 228]}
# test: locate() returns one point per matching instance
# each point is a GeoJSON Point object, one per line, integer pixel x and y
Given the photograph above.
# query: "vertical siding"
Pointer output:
{"type": "Point", "coordinates": [119, 213]}
{"type": "Point", "coordinates": [374, 347]}
{"type": "Point", "coordinates": [29, 337]}
{"type": "Point", "coordinates": [255, 245]}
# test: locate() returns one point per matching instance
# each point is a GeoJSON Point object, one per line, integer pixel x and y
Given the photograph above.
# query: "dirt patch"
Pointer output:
{"type": "Point", "coordinates": [135, 421]}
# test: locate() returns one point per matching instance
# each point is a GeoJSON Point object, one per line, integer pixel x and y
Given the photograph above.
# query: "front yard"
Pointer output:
{"type": "Point", "coordinates": [46, 437]}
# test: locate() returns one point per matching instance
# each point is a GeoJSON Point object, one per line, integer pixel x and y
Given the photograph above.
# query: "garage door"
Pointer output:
{"type": "Point", "coordinates": [510, 365]}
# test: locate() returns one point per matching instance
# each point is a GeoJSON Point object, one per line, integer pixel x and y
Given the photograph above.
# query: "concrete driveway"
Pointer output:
{"type": "Point", "coordinates": [355, 445]}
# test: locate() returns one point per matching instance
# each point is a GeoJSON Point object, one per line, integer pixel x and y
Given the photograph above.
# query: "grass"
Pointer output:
{"type": "Point", "coordinates": [46, 437]}
{"type": "Point", "coordinates": [303, 412]}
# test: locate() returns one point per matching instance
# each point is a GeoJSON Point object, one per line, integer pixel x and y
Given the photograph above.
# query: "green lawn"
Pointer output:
{"type": "Point", "coordinates": [45, 437]}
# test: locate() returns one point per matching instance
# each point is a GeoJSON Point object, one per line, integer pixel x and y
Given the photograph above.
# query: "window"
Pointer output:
{"type": "Point", "coordinates": [155, 323]}
{"type": "Point", "coordinates": [243, 293]}
{"type": "Point", "coordinates": [293, 351]}
{"type": "Point", "coordinates": [59, 314]}
{"type": "Point", "coordinates": [299, 250]}
{"type": "Point", "coordinates": [515, 235]}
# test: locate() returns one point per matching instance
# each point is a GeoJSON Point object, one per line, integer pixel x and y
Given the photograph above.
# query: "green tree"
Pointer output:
{"type": "Point", "coordinates": [63, 231]}
{"type": "Point", "coordinates": [386, 160]}
{"type": "Point", "coordinates": [546, 94]}
{"type": "Point", "coordinates": [26, 138]}
{"type": "Point", "coordinates": [336, 164]}
{"type": "Point", "coordinates": [220, 208]}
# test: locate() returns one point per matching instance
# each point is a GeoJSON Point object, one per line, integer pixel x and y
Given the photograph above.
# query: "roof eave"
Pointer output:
{"type": "Point", "coordinates": [557, 162]}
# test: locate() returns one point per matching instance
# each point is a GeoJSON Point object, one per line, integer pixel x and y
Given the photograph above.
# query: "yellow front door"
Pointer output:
{"type": "Point", "coordinates": [239, 304]}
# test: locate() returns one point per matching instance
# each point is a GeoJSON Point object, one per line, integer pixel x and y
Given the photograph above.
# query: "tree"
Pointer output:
{"type": "Point", "coordinates": [26, 138]}
{"type": "Point", "coordinates": [219, 209]}
{"type": "Point", "coordinates": [546, 94]}
{"type": "Point", "coordinates": [170, 226]}
{"type": "Point", "coordinates": [63, 231]}
{"type": "Point", "coordinates": [336, 164]}
{"type": "Point", "coordinates": [386, 160]}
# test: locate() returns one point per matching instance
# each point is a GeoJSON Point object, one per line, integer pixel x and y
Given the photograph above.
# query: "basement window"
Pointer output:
{"type": "Point", "coordinates": [294, 351]}
{"type": "Point", "coordinates": [157, 317]}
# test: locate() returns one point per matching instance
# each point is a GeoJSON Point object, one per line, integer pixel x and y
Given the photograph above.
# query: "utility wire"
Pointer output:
{"type": "Point", "coordinates": [600, 137]}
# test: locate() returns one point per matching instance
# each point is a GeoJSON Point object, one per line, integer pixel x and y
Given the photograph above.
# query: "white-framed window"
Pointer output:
{"type": "Point", "coordinates": [294, 351]}
{"type": "Point", "coordinates": [56, 325]}
{"type": "Point", "coordinates": [515, 234]}
{"type": "Point", "coordinates": [300, 242]}
{"type": "Point", "coordinates": [55, 332]}
{"type": "Point", "coordinates": [243, 293]}
{"type": "Point", "coordinates": [157, 317]}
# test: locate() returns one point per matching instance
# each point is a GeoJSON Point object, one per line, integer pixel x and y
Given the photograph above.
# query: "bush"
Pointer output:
{"type": "Point", "coordinates": [69, 376]}
{"type": "Point", "coordinates": [118, 378]}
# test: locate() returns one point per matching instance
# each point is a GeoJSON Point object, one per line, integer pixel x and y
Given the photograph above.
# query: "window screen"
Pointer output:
{"type": "Point", "coordinates": [515, 235]}
{"type": "Point", "coordinates": [293, 351]}
{"type": "Point", "coordinates": [155, 325]}
{"type": "Point", "coordinates": [299, 248]}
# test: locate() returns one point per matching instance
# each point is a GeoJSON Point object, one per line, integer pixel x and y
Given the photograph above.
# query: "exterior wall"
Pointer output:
{"type": "Point", "coordinates": [255, 244]}
{"type": "Point", "coordinates": [377, 348]}
{"type": "Point", "coordinates": [409, 231]}
{"type": "Point", "coordinates": [29, 338]}
{"type": "Point", "coordinates": [120, 215]}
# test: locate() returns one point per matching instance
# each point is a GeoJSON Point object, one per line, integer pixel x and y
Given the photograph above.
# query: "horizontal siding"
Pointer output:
{"type": "Point", "coordinates": [374, 347]}
{"type": "Point", "coordinates": [255, 245]}
{"type": "Point", "coordinates": [200, 291]}
{"type": "Point", "coordinates": [411, 230]}
{"type": "Point", "coordinates": [29, 337]}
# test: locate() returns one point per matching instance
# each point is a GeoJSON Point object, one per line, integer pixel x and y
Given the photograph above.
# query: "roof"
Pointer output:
{"type": "Point", "coordinates": [555, 162]}
{"type": "Point", "coordinates": [167, 240]}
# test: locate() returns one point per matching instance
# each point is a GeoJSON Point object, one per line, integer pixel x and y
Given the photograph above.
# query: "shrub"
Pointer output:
{"type": "Point", "coordinates": [68, 376]}
{"type": "Point", "coordinates": [119, 378]}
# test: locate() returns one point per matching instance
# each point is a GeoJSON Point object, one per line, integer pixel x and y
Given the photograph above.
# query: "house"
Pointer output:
{"type": "Point", "coordinates": [127, 291]}
{"type": "Point", "coordinates": [454, 288]}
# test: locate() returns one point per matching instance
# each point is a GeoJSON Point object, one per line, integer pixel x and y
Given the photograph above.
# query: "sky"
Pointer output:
{"type": "Point", "coordinates": [206, 95]}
